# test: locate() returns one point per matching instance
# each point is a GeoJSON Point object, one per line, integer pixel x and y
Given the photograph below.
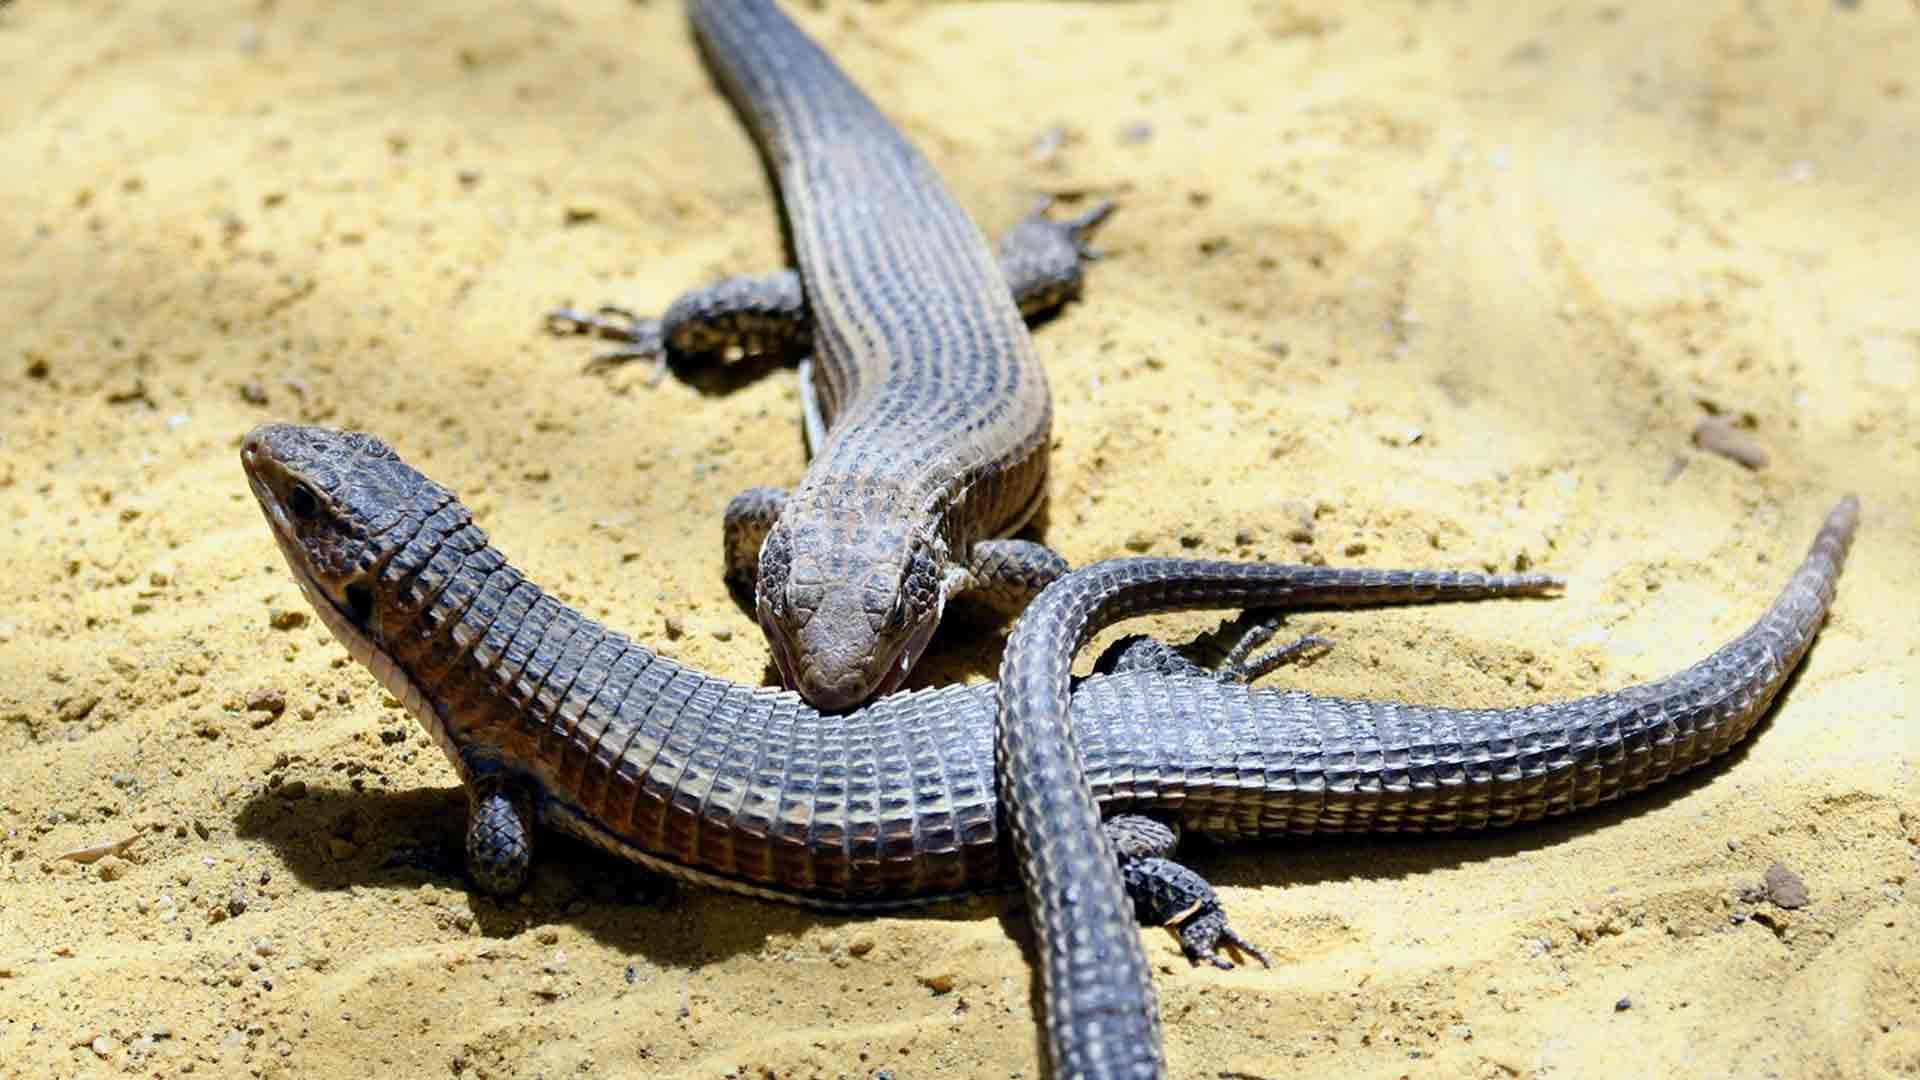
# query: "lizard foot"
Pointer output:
{"type": "Point", "coordinates": [1244, 667]}
{"type": "Point", "coordinates": [1173, 896]}
{"type": "Point", "coordinates": [1138, 652]}
{"type": "Point", "coordinates": [644, 338]}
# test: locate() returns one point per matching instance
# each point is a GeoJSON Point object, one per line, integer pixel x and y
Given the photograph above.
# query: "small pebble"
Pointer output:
{"type": "Point", "coordinates": [101, 1045]}
{"type": "Point", "coordinates": [78, 708]}
{"type": "Point", "coordinates": [1785, 889]}
{"type": "Point", "coordinates": [860, 946]}
{"type": "Point", "coordinates": [1623, 1005]}
{"type": "Point", "coordinates": [288, 619]}
{"type": "Point", "coordinates": [253, 393]}
{"type": "Point", "coordinates": [271, 702]}
{"type": "Point", "coordinates": [939, 984]}
{"type": "Point", "coordinates": [676, 627]}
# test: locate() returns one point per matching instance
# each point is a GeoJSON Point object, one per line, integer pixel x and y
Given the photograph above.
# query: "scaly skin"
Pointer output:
{"type": "Point", "coordinates": [549, 717]}
{"type": "Point", "coordinates": [929, 415]}
{"type": "Point", "coordinates": [1103, 1021]}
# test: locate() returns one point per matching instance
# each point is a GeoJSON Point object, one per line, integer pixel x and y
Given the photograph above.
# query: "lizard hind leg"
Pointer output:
{"type": "Point", "coordinates": [1138, 652]}
{"type": "Point", "coordinates": [1167, 893]}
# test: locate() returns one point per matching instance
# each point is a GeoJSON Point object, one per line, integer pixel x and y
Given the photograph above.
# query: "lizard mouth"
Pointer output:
{"type": "Point", "coordinates": [354, 606]}
{"type": "Point", "coordinates": [783, 657]}
{"type": "Point", "coordinates": [896, 672]}
{"type": "Point", "coordinates": [848, 692]}
{"type": "Point", "coordinates": [349, 618]}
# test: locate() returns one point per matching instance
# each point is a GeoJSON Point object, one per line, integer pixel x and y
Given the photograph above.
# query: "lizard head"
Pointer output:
{"type": "Point", "coordinates": [333, 499]}
{"type": "Point", "coordinates": [847, 621]}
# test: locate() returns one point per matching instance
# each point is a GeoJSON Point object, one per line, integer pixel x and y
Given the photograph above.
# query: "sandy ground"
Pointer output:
{"type": "Point", "coordinates": [1439, 285]}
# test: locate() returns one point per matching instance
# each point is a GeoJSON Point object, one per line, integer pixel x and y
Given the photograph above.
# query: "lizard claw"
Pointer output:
{"type": "Point", "coordinates": [565, 322]}
{"type": "Point", "coordinates": [603, 362]}
{"type": "Point", "coordinates": [606, 321]}
{"type": "Point", "coordinates": [1242, 666]}
{"type": "Point", "coordinates": [642, 337]}
{"type": "Point", "coordinates": [1077, 228]}
{"type": "Point", "coordinates": [1204, 931]}
{"type": "Point", "coordinates": [1081, 226]}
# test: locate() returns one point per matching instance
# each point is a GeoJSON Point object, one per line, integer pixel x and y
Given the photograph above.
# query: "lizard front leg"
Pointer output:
{"type": "Point", "coordinates": [749, 517]}
{"type": "Point", "coordinates": [499, 834]}
{"type": "Point", "coordinates": [766, 315]}
{"type": "Point", "coordinates": [1005, 573]}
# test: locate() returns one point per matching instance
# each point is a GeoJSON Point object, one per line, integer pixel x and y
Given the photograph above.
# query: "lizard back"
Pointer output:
{"type": "Point", "coordinates": [926, 374]}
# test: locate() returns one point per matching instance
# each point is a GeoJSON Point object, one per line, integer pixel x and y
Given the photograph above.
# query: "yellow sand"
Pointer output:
{"type": "Point", "coordinates": [1441, 285]}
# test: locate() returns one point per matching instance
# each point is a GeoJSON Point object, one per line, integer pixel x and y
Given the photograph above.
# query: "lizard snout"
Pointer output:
{"type": "Point", "coordinates": [836, 660]}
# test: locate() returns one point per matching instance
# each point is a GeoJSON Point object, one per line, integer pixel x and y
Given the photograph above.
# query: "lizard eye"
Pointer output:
{"type": "Point", "coordinates": [300, 500]}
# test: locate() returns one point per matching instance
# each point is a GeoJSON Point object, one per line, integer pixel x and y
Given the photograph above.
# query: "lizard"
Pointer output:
{"type": "Point", "coordinates": [551, 719]}
{"type": "Point", "coordinates": [927, 412]}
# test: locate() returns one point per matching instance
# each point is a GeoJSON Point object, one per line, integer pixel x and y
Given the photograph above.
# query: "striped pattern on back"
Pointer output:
{"type": "Point", "coordinates": [926, 372]}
